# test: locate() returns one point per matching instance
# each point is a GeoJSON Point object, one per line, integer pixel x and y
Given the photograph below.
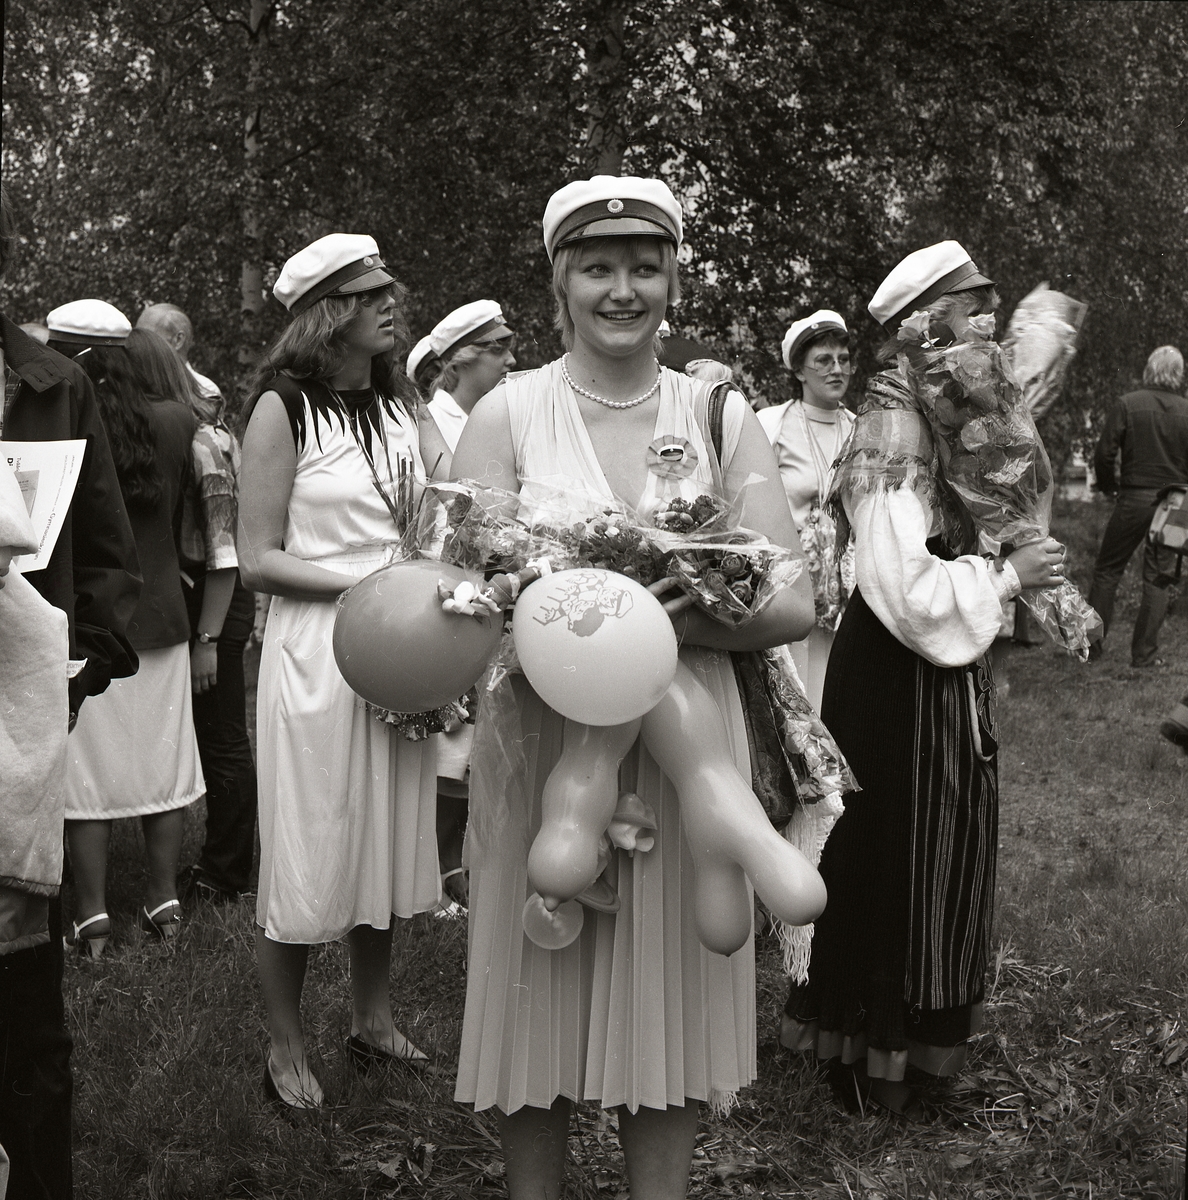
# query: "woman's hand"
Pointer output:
{"type": "Point", "coordinates": [204, 666]}
{"type": "Point", "coordinates": [1039, 564]}
{"type": "Point", "coordinates": [678, 604]}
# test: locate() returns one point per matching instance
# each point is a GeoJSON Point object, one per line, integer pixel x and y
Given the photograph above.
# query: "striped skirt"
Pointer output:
{"type": "Point", "coordinates": [899, 957]}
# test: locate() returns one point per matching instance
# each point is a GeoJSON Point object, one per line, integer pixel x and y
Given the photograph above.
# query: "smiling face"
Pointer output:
{"type": "Point", "coordinates": [616, 293]}
{"type": "Point", "coordinates": [373, 330]}
{"type": "Point", "coordinates": [824, 372]}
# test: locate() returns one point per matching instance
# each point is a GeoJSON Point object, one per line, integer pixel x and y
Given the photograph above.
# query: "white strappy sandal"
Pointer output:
{"type": "Point", "coordinates": [164, 926]}
{"type": "Point", "coordinates": [89, 946]}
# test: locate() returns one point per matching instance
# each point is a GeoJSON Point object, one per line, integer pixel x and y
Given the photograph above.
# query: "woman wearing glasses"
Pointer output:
{"type": "Point", "coordinates": [462, 358]}
{"type": "Point", "coordinates": [807, 434]}
{"type": "Point", "coordinates": [347, 805]}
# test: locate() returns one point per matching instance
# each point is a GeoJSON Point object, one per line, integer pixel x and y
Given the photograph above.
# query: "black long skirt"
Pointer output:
{"type": "Point", "coordinates": [899, 956]}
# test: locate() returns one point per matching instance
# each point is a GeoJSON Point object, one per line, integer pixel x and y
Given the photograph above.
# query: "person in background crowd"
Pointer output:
{"type": "Point", "coordinates": [37, 331]}
{"type": "Point", "coordinates": [709, 369]}
{"type": "Point", "coordinates": [461, 359]}
{"type": "Point", "coordinates": [168, 322]}
{"type": "Point", "coordinates": [133, 753]}
{"type": "Point", "coordinates": [34, 645]}
{"type": "Point", "coordinates": [221, 613]}
{"type": "Point", "coordinates": [347, 803]}
{"type": "Point", "coordinates": [807, 434]}
{"type": "Point", "coordinates": [897, 973]}
{"type": "Point", "coordinates": [1150, 430]}
{"type": "Point", "coordinates": [93, 577]}
{"type": "Point", "coordinates": [635, 1014]}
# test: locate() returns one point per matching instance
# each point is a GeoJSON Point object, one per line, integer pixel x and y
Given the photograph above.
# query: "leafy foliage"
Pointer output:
{"type": "Point", "coordinates": [813, 141]}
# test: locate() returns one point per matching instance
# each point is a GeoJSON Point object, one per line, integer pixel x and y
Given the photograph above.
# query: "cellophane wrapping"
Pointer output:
{"type": "Point", "coordinates": [991, 455]}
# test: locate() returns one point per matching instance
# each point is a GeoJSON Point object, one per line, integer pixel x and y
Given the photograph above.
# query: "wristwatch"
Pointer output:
{"type": "Point", "coordinates": [207, 638]}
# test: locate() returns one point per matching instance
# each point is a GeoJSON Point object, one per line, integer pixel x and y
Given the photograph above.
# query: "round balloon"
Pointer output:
{"type": "Point", "coordinates": [396, 647]}
{"type": "Point", "coordinates": [596, 646]}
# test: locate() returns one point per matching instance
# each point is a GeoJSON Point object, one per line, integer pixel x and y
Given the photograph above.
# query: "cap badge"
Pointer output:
{"type": "Point", "coordinates": [368, 261]}
{"type": "Point", "coordinates": [614, 206]}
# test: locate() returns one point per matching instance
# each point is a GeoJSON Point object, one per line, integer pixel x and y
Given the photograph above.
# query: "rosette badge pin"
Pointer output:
{"type": "Point", "coordinates": [614, 206]}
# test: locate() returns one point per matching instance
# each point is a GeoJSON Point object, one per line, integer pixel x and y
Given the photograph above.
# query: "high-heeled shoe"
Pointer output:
{"type": "Point", "coordinates": [272, 1093]}
{"type": "Point", "coordinates": [164, 924]}
{"type": "Point", "coordinates": [89, 945]}
{"type": "Point", "coordinates": [365, 1055]}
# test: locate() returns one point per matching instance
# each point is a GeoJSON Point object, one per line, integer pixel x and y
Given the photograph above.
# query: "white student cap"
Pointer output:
{"type": "Point", "coordinates": [338, 264]}
{"type": "Point", "coordinates": [611, 206]}
{"type": "Point", "coordinates": [824, 320]}
{"type": "Point", "coordinates": [89, 323]}
{"type": "Point", "coordinates": [478, 321]}
{"type": "Point", "coordinates": [924, 276]}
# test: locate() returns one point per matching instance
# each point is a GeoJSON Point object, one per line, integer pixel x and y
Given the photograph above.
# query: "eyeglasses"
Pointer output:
{"type": "Point", "coordinates": [498, 346]}
{"type": "Point", "coordinates": [376, 295]}
{"type": "Point", "coordinates": [825, 365]}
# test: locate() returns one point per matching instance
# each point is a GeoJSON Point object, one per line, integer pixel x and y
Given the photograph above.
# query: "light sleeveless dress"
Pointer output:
{"type": "Point", "coordinates": [347, 807]}
{"type": "Point", "coordinates": [636, 1011]}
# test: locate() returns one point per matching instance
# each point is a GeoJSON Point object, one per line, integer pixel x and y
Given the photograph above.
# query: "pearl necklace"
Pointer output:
{"type": "Point", "coordinates": [602, 399]}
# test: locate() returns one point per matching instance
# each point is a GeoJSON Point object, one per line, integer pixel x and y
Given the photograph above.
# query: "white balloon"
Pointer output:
{"type": "Point", "coordinates": [596, 646]}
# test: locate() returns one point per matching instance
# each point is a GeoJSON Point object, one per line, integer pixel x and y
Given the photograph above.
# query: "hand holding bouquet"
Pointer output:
{"type": "Point", "coordinates": [991, 454]}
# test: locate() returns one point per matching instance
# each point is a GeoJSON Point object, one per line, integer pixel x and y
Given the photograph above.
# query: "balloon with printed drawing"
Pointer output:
{"type": "Point", "coordinates": [596, 646]}
{"type": "Point", "coordinates": [396, 647]}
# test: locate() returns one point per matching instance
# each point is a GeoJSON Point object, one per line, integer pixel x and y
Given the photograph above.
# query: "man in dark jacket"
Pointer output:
{"type": "Point", "coordinates": [1150, 429]}
{"type": "Point", "coordinates": [94, 576]}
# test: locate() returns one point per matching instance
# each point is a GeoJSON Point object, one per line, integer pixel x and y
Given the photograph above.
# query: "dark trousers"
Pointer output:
{"type": "Point", "coordinates": [220, 721]}
{"type": "Point", "coordinates": [1126, 531]}
{"type": "Point", "coordinates": [35, 1082]}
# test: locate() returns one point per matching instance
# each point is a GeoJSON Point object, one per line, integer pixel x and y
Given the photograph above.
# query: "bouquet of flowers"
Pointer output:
{"type": "Point", "coordinates": [991, 454]}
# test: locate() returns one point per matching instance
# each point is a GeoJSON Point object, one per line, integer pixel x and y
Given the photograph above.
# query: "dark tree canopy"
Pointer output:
{"type": "Point", "coordinates": [813, 143]}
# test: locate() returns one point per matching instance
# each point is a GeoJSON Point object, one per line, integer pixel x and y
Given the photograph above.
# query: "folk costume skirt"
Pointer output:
{"type": "Point", "coordinates": [898, 965]}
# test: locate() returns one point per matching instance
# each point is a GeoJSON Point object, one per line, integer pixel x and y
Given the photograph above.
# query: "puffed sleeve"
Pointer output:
{"type": "Point", "coordinates": [947, 612]}
{"type": "Point", "coordinates": [216, 475]}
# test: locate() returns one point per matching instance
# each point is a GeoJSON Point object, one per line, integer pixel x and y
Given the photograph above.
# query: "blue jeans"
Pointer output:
{"type": "Point", "coordinates": [220, 721]}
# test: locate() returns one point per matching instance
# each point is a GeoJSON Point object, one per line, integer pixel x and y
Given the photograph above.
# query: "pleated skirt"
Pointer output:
{"type": "Point", "coordinates": [636, 1012]}
{"type": "Point", "coordinates": [347, 807]}
{"type": "Point", "coordinates": [133, 751]}
{"type": "Point", "coordinates": [897, 972]}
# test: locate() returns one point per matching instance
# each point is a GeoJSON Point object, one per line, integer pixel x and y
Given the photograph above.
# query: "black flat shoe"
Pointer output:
{"type": "Point", "coordinates": [365, 1056]}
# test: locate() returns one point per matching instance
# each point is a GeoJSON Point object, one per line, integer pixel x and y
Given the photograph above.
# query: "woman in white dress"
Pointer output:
{"type": "Point", "coordinates": [458, 362]}
{"type": "Point", "coordinates": [346, 804]}
{"type": "Point", "coordinates": [635, 1014]}
{"type": "Point", "coordinates": [807, 434]}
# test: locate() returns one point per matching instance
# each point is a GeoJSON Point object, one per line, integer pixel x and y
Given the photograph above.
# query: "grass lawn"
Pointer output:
{"type": "Point", "coordinates": [1076, 1089]}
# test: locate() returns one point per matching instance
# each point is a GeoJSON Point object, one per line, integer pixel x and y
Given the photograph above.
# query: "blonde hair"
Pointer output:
{"type": "Point", "coordinates": [568, 256]}
{"type": "Point", "coordinates": [446, 378]}
{"type": "Point", "coordinates": [1164, 369]}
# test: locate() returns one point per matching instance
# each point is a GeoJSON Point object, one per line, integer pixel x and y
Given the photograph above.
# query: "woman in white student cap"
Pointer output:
{"type": "Point", "coordinates": [897, 975]}
{"type": "Point", "coordinates": [460, 360]}
{"type": "Point", "coordinates": [807, 434]}
{"type": "Point", "coordinates": [347, 805]}
{"type": "Point", "coordinates": [635, 1014]}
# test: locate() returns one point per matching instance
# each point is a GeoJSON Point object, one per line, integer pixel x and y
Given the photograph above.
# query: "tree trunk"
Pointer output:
{"type": "Point", "coordinates": [606, 137]}
{"type": "Point", "coordinates": [252, 196]}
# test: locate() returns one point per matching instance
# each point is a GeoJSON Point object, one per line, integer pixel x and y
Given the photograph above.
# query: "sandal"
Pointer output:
{"type": "Point", "coordinates": [459, 894]}
{"type": "Point", "coordinates": [89, 945]}
{"type": "Point", "coordinates": [164, 926]}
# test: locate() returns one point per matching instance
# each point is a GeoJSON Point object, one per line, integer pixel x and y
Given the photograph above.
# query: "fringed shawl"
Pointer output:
{"type": "Point", "coordinates": [891, 446]}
